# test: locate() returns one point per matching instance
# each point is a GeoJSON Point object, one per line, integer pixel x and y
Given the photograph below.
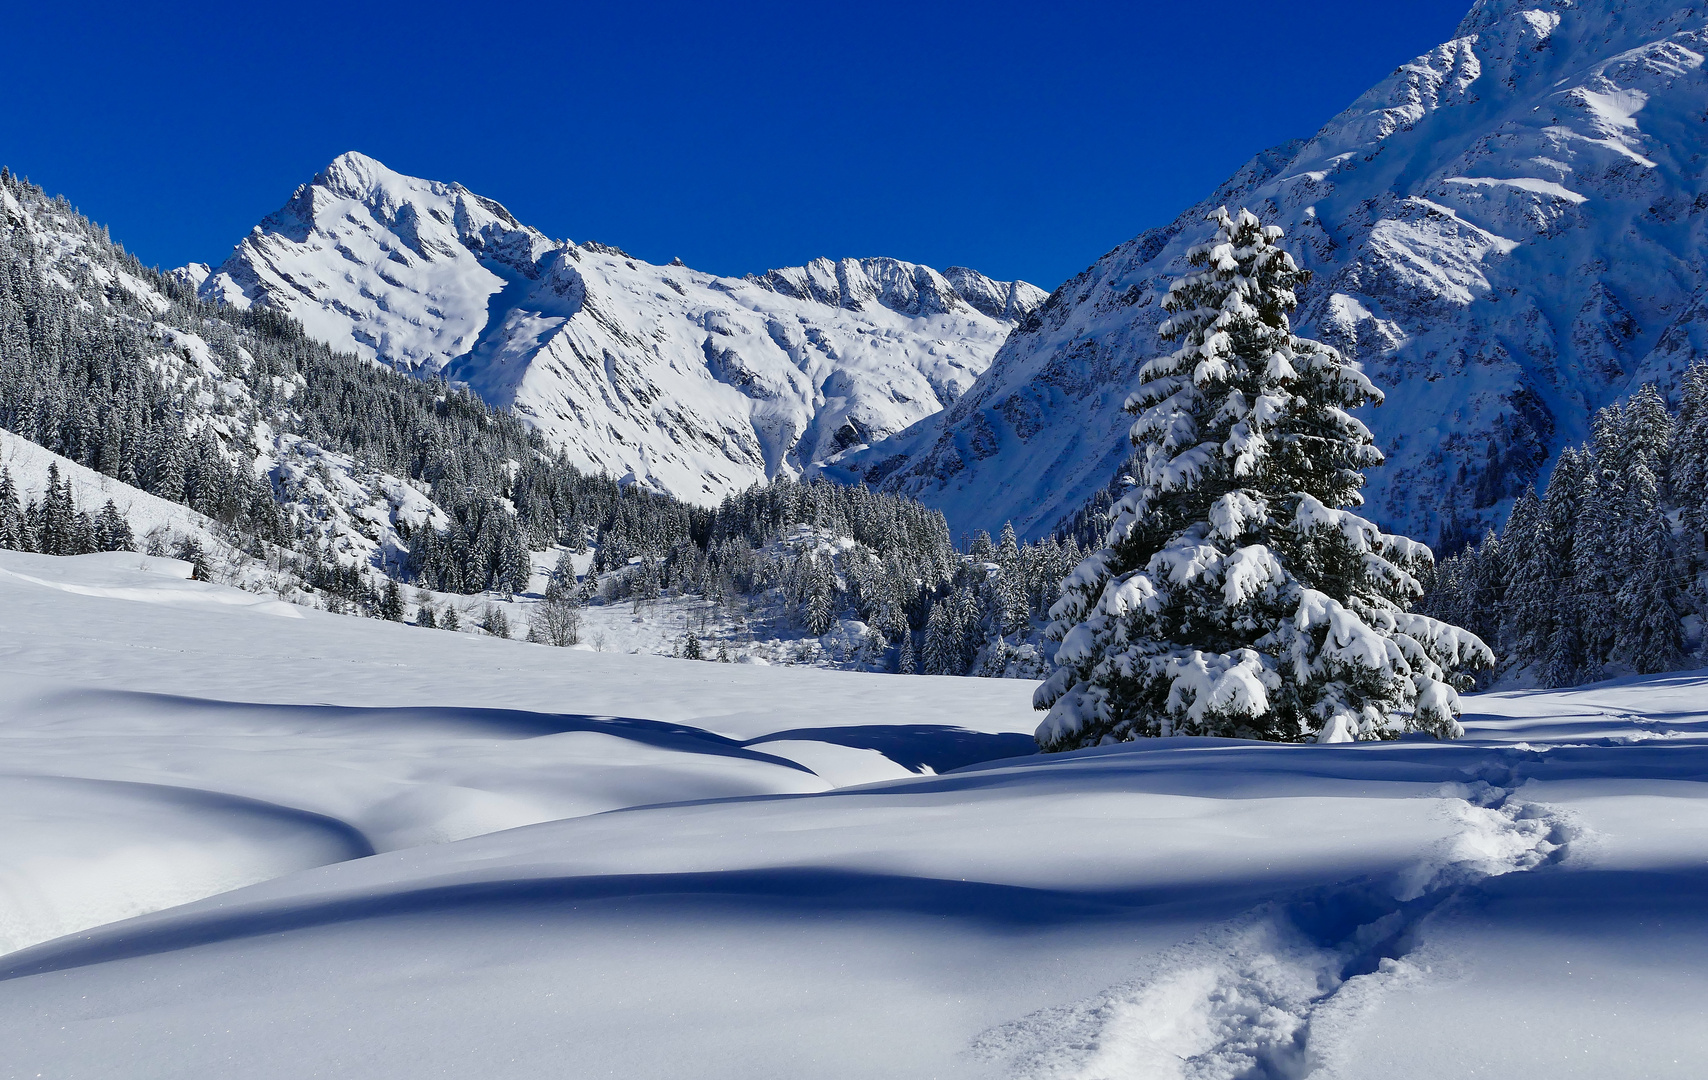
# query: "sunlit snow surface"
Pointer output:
{"type": "Point", "coordinates": [322, 797]}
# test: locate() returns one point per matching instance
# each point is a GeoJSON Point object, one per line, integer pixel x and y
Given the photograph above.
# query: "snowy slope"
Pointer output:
{"type": "Point", "coordinates": [146, 514]}
{"type": "Point", "coordinates": [1508, 232]}
{"type": "Point", "coordinates": [694, 384]}
{"type": "Point", "coordinates": [1524, 903]}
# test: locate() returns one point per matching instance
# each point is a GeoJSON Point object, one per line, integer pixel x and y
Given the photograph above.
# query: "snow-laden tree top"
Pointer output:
{"type": "Point", "coordinates": [1236, 595]}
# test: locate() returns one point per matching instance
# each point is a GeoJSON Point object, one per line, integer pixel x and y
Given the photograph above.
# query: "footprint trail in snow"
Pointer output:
{"type": "Point", "coordinates": [1262, 997]}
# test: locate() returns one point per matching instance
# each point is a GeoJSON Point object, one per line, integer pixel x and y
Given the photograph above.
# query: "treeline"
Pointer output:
{"type": "Point", "coordinates": [1601, 570]}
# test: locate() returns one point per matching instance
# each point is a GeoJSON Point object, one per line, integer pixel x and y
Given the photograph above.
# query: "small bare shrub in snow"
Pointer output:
{"type": "Point", "coordinates": [555, 622]}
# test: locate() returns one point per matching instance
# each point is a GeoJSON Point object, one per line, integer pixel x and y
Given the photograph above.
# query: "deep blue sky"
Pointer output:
{"type": "Point", "coordinates": [1021, 139]}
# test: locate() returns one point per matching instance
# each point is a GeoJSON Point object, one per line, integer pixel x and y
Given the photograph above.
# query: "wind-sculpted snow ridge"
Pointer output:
{"type": "Point", "coordinates": [1267, 995]}
{"type": "Point", "coordinates": [1507, 232]}
{"type": "Point", "coordinates": [690, 383]}
{"type": "Point", "coordinates": [260, 778]}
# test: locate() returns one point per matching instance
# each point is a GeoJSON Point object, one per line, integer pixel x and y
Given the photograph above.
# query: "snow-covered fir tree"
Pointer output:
{"type": "Point", "coordinates": [1235, 594]}
{"type": "Point", "coordinates": [494, 621]}
{"type": "Point", "coordinates": [391, 602]}
{"type": "Point", "coordinates": [942, 649]}
{"type": "Point", "coordinates": [819, 599]}
{"type": "Point", "coordinates": [905, 662]}
{"type": "Point", "coordinates": [1011, 587]}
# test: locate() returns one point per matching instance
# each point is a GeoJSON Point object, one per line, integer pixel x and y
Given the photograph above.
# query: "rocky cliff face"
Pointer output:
{"type": "Point", "coordinates": [687, 382]}
{"type": "Point", "coordinates": [1507, 232]}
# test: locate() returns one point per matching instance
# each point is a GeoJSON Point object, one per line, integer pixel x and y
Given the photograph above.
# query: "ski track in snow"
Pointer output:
{"type": "Point", "coordinates": [1267, 995]}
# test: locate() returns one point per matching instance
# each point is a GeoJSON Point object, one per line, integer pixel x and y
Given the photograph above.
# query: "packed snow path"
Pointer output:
{"type": "Point", "coordinates": [1244, 998]}
{"type": "Point", "coordinates": [1526, 902]}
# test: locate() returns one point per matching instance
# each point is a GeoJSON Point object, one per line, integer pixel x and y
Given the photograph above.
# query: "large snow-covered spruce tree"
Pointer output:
{"type": "Point", "coordinates": [1235, 594]}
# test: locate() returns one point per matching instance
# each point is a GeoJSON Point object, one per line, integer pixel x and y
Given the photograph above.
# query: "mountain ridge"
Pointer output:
{"type": "Point", "coordinates": [686, 382]}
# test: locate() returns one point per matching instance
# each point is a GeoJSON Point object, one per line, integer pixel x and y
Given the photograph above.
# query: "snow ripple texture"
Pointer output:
{"type": "Point", "coordinates": [1267, 995]}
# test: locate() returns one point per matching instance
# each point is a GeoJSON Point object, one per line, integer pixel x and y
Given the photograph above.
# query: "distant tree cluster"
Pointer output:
{"type": "Point", "coordinates": [851, 552]}
{"type": "Point", "coordinates": [1600, 571]}
{"type": "Point", "coordinates": [54, 525]}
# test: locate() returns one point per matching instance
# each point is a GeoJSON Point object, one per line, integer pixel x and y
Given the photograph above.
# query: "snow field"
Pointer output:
{"type": "Point", "coordinates": [1522, 903]}
{"type": "Point", "coordinates": [174, 687]}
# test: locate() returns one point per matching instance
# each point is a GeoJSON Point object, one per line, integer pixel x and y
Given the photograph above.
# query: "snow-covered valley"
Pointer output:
{"type": "Point", "coordinates": [240, 843]}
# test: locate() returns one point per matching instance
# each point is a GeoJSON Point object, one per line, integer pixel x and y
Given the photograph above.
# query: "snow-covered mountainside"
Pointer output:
{"type": "Point", "coordinates": [218, 427]}
{"type": "Point", "coordinates": [692, 384]}
{"type": "Point", "coordinates": [244, 845]}
{"type": "Point", "coordinates": [1507, 233]}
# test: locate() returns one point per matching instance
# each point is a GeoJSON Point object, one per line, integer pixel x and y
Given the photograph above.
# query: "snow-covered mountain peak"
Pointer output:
{"type": "Point", "coordinates": [428, 215]}
{"type": "Point", "coordinates": [355, 175]}
{"type": "Point", "coordinates": [1508, 232]}
{"type": "Point", "coordinates": [380, 264]}
{"type": "Point", "coordinates": [1008, 300]}
{"type": "Point", "coordinates": [690, 383]}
